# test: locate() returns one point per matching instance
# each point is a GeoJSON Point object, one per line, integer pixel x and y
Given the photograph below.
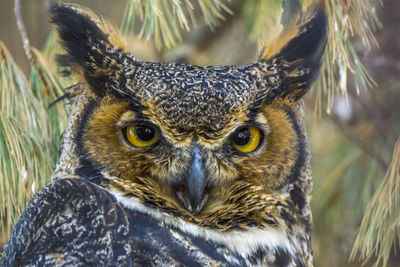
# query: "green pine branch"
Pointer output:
{"type": "Point", "coordinates": [380, 227]}
{"type": "Point", "coordinates": [164, 20]}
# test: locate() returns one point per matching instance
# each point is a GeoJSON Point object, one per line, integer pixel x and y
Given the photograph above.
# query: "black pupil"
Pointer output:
{"type": "Point", "coordinates": [242, 137]}
{"type": "Point", "coordinates": [145, 133]}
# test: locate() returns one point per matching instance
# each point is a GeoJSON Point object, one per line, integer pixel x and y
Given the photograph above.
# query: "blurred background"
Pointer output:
{"type": "Point", "coordinates": [353, 120]}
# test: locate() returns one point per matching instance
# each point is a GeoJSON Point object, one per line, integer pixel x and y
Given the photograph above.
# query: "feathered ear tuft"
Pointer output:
{"type": "Point", "coordinates": [94, 52]}
{"type": "Point", "coordinates": [298, 52]}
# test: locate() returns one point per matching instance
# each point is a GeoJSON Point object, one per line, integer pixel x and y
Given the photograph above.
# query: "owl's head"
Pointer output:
{"type": "Point", "coordinates": [220, 146]}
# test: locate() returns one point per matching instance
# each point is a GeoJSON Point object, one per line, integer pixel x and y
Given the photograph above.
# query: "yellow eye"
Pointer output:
{"type": "Point", "coordinates": [247, 139]}
{"type": "Point", "coordinates": [141, 135]}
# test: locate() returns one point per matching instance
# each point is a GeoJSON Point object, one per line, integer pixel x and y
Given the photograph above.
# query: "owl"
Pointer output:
{"type": "Point", "coordinates": [170, 164]}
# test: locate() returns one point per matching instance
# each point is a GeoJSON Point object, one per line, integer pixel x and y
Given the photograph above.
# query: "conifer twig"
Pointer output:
{"type": "Point", "coordinates": [22, 30]}
{"type": "Point", "coordinates": [380, 227]}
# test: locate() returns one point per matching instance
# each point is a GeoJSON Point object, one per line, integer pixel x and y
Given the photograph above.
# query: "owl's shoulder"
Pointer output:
{"type": "Point", "coordinates": [70, 221]}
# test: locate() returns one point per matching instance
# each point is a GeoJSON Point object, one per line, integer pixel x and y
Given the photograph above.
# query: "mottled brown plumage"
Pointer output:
{"type": "Point", "coordinates": [194, 183]}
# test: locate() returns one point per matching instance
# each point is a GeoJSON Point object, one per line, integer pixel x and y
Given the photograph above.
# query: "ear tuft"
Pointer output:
{"type": "Point", "coordinates": [298, 51]}
{"type": "Point", "coordinates": [94, 52]}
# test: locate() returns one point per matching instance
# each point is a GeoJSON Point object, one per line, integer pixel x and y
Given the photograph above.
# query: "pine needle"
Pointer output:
{"type": "Point", "coordinates": [29, 131]}
{"type": "Point", "coordinates": [341, 63]}
{"type": "Point", "coordinates": [48, 88]}
{"type": "Point", "coordinates": [164, 20]}
{"type": "Point", "coordinates": [263, 20]}
{"type": "Point", "coordinates": [25, 164]}
{"type": "Point", "coordinates": [380, 227]}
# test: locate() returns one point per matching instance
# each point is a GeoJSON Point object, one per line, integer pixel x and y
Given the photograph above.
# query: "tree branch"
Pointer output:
{"type": "Point", "coordinates": [22, 30]}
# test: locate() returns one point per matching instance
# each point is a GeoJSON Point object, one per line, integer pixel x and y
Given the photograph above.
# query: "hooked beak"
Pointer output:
{"type": "Point", "coordinates": [191, 193]}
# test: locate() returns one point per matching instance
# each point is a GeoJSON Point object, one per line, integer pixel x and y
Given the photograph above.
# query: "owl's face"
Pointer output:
{"type": "Point", "coordinates": [193, 145]}
{"type": "Point", "coordinates": [221, 147]}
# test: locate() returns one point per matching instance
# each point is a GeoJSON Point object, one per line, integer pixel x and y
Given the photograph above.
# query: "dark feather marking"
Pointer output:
{"type": "Point", "coordinates": [287, 217]}
{"type": "Point", "coordinates": [75, 30]}
{"type": "Point", "coordinates": [83, 123]}
{"type": "Point", "coordinates": [87, 168]}
{"type": "Point", "coordinates": [211, 249]}
{"type": "Point", "coordinates": [297, 196]}
{"type": "Point", "coordinates": [300, 262]}
{"type": "Point", "coordinates": [281, 257]}
{"type": "Point", "coordinates": [257, 256]}
{"type": "Point", "coordinates": [89, 49]}
{"type": "Point", "coordinates": [304, 53]}
{"type": "Point", "coordinates": [66, 95]}
{"type": "Point", "coordinates": [310, 44]}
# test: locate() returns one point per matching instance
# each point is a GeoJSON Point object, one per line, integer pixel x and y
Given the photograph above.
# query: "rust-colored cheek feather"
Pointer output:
{"type": "Point", "coordinates": [169, 164]}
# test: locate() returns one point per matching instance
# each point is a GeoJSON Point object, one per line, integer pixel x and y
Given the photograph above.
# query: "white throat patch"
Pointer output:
{"type": "Point", "coordinates": [243, 241]}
